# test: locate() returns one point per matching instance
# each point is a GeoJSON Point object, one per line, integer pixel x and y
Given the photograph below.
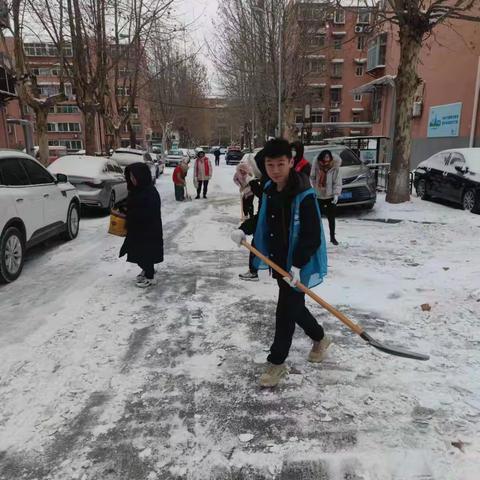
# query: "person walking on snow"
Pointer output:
{"type": "Point", "coordinates": [256, 184]}
{"type": "Point", "coordinates": [288, 230]}
{"type": "Point", "coordinates": [217, 154]}
{"type": "Point", "coordinates": [300, 163]}
{"type": "Point", "coordinates": [202, 173]}
{"type": "Point", "coordinates": [143, 244]}
{"type": "Point", "coordinates": [326, 179]}
{"type": "Point", "coordinates": [242, 178]}
{"type": "Point", "coordinates": [179, 175]}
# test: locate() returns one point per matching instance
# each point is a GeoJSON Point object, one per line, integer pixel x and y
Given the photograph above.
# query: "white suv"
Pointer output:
{"type": "Point", "coordinates": [34, 206]}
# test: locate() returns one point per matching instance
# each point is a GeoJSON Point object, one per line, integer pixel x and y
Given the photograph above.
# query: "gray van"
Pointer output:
{"type": "Point", "coordinates": [359, 185]}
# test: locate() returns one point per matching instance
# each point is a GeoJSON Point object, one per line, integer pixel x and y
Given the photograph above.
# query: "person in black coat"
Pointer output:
{"type": "Point", "coordinates": [144, 242]}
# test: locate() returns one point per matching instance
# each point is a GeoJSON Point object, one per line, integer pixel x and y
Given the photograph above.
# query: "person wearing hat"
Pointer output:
{"type": "Point", "coordinates": [202, 173]}
{"type": "Point", "coordinates": [179, 176]}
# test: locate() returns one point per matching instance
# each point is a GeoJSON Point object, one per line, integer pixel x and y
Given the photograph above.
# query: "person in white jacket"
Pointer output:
{"type": "Point", "coordinates": [326, 179]}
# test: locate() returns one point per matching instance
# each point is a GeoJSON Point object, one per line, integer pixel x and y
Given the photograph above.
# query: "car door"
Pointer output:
{"type": "Point", "coordinates": [55, 201]}
{"type": "Point", "coordinates": [455, 179]}
{"type": "Point", "coordinates": [436, 168]}
{"type": "Point", "coordinates": [27, 199]}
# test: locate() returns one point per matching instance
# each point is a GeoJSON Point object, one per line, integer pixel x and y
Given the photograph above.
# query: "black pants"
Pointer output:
{"type": "Point", "coordinates": [149, 269]}
{"type": "Point", "coordinates": [217, 161]}
{"type": "Point", "coordinates": [329, 209]}
{"type": "Point", "coordinates": [247, 204]}
{"type": "Point", "coordinates": [291, 310]}
{"type": "Point", "coordinates": [179, 193]}
{"type": "Point", "coordinates": [205, 188]}
{"type": "Point", "coordinates": [251, 258]}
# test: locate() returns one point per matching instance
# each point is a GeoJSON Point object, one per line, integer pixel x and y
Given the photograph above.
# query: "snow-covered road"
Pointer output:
{"type": "Point", "coordinates": [102, 381]}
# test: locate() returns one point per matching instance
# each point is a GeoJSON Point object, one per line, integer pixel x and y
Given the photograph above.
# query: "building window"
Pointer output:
{"type": "Point", "coordinates": [357, 97]}
{"type": "Point", "coordinates": [123, 91]}
{"type": "Point", "coordinates": [356, 117]}
{"type": "Point", "coordinates": [334, 117]}
{"type": "Point", "coordinates": [337, 70]}
{"type": "Point", "coordinates": [321, 94]}
{"type": "Point", "coordinates": [137, 128]}
{"type": "Point", "coordinates": [336, 95]}
{"type": "Point", "coordinates": [377, 105]}
{"type": "Point", "coordinates": [63, 127]}
{"type": "Point", "coordinates": [298, 118]}
{"type": "Point", "coordinates": [337, 43]}
{"type": "Point", "coordinates": [317, 65]}
{"type": "Point", "coordinates": [70, 145]}
{"type": "Point", "coordinates": [363, 18]}
{"type": "Point", "coordinates": [359, 70]}
{"type": "Point", "coordinates": [339, 17]}
{"type": "Point", "coordinates": [316, 117]}
{"type": "Point", "coordinates": [361, 42]}
{"type": "Point", "coordinates": [45, 50]}
{"type": "Point", "coordinates": [317, 40]}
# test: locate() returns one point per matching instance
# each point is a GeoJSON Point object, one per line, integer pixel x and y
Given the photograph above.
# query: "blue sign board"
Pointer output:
{"type": "Point", "coordinates": [444, 120]}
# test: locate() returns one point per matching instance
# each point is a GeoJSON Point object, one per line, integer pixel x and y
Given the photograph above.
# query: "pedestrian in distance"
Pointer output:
{"type": "Point", "coordinates": [217, 154]}
{"type": "Point", "coordinates": [300, 163]}
{"type": "Point", "coordinates": [179, 180]}
{"type": "Point", "coordinates": [242, 178]}
{"type": "Point", "coordinates": [202, 173]}
{"type": "Point", "coordinates": [288, 230]}
{"type": "Point", "coordinates": [326, 179]}
{"type": "Point", "coordinates": [256, 184]}
{"type": "Point", "coordinates": [143, 244]}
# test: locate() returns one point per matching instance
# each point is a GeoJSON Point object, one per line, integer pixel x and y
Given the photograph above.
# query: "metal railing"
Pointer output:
{"type": "Point", "coordinates": [382, 176]}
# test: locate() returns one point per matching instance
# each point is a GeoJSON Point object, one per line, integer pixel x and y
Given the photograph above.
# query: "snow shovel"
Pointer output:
{"type": "Point", "coordinates": [400, 352]}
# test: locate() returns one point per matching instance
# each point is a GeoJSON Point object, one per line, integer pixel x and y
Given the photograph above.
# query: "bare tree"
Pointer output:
{"type": "Point", "coordinates": [28, 88]}
{"type": "Point", "coordinates": [178, 86]}
{"type": "Point", "coordinates": [415, 21]}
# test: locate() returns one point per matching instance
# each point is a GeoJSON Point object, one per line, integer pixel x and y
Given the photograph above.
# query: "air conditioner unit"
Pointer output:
{"type": "Point", "coordinates": [417, 109]}
{"type": "Point", "coordinates": [358, 29]}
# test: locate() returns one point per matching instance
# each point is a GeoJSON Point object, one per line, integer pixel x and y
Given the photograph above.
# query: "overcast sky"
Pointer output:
{"type": "Point", "coordinates": [199, 15]}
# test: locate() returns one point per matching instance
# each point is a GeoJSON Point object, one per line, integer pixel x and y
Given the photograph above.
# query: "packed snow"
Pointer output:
{"type": "Point", "coordinates": [100, 380]}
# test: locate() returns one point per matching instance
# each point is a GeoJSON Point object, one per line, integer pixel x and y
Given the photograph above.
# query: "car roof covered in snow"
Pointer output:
{"type": "Point", "coordinates": [79, 165]}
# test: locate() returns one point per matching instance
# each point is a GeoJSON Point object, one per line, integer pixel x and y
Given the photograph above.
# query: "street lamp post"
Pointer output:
{"type": "Point", "coordinates": [280, 67]}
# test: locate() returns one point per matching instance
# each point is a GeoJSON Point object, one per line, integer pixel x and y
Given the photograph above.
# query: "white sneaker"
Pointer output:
{"type": "Point", "coordinates": [249, 276]}
{"type": "Point", "coordinates": [146, 282]}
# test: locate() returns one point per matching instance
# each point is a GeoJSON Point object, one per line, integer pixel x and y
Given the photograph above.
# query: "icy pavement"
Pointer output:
{"type": "Point", "coordinates": [101, 381]}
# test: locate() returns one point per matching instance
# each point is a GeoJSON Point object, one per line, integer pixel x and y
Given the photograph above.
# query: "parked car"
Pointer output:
{"type": "Point", "coordinates": [159, 164]}
{"type": "Point", "coordinates": [188, 153]}
{"type": "Point", "coordinates": [174, 157]}
{"type": "Point", "coordinates": [127, 156]}
{"type": "Point", "coordinates": [100, 181]}
{"type": "Point", "coordinates": [233, 156]}
{"type": "Point", "coordinates": [359, 185]}
{"type": "Point", "coordinates": [202, 148]}
{"type": "Point", "coordinates": [223, 150]}
{"type": "Point", "coordinates": [35, 206]}
{"type": "Point", "coordinates": [452, 175]}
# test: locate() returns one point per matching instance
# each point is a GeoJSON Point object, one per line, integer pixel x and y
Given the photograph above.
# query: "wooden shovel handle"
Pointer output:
{"type": "Point", "coordinates": [343, 318]}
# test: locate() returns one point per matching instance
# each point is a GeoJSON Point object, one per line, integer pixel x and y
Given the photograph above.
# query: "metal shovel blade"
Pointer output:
{"type": "Point", "coordinates": [399, 352]}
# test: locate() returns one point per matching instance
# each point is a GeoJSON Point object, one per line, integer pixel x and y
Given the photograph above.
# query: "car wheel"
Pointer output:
{"type": "Point", "coordinates": [422, 190]}
{"type": "Point", "coordinates": [12, 251]}
{"type": "Point", "coordinates": [469, 201]}
{"type": "Point", "coordinates": [112, 201]}
{"type": "Point", "coordinates": [73, 222]}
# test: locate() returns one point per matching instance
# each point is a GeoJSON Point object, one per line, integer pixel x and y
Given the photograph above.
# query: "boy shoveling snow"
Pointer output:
{"type": "Point", "coordinates": [288, 230]}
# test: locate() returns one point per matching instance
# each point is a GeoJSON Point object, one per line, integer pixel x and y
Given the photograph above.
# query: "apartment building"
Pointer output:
{"type": "Point", "coordinates": [65, 121]}
{"type": "Point", "coordinates": [336, 60]}
{"type": "Point", "coordinates": [443, 113]}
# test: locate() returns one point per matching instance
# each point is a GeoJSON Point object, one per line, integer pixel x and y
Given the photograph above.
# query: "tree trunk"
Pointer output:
{"type": "Point", "coordinates": [164, 139]}
{"type": "Point", "coordinates": [133, 136]}
{"type": "Point", "coordinates": [406, 84]}
{"type": "Point", "coordinates": [41, 118]}
{"type": "Point", "coordinates": [89, 115]}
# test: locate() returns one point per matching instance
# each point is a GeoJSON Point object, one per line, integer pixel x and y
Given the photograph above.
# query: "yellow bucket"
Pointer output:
{"type": "Point", "coordinates": [118, 224]}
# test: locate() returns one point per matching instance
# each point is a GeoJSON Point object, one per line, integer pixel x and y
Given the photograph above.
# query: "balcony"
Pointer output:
{"type": "Point", "coordinates": [377, 52]}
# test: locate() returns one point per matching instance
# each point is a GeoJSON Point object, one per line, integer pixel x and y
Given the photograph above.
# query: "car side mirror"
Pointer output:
{"type": "Point", "coordinates": [61, 178]}
{"type": "Point", "coordinates": [461, 168]}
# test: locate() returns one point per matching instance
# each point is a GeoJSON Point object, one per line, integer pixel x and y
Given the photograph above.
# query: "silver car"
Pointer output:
{"type": "Point", "coordinates": [100, 181]}
{"type": "Point", "coordinates": [127, 156]}
{"type": "Point", "coordinates": [359, 185]}
{"type": "Point", "coordinates": [174, 157]}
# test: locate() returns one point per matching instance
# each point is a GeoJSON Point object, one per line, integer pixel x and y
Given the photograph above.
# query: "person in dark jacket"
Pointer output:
{"type": "Point", "coordinates": [143, 244]}
{"type": "Point", "coordinates": [217, 154]}
{"type": "Point", "coordinates": [300, 163]}
{"type": "Point", "coordinates": [289, 211]}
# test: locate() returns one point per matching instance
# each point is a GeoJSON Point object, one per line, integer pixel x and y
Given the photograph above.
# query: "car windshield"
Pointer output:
{"type": "Point", "coordinates": [175, 152]}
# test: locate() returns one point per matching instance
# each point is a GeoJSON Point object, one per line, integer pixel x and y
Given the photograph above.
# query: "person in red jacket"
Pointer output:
{"type": "Point", "coordinates": [179, 175]}
{"type": "Point", "coordinates": [301, 164]}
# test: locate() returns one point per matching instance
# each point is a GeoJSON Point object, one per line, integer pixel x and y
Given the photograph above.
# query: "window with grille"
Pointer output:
{"type": "Point", "coordinates": [337, 70]}
{"type": "Point", "coordinates": [359, 70]}
{"type": "Point", "coordinates": [334, 117]}
{"type": "Point", "coordinates": [339, 16]}
{"type": "Point", "coordinates": [361, 42]}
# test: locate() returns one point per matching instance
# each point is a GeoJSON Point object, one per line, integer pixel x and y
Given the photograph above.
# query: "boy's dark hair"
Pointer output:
{"type": "Point", "coordinates": [277, 147]}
